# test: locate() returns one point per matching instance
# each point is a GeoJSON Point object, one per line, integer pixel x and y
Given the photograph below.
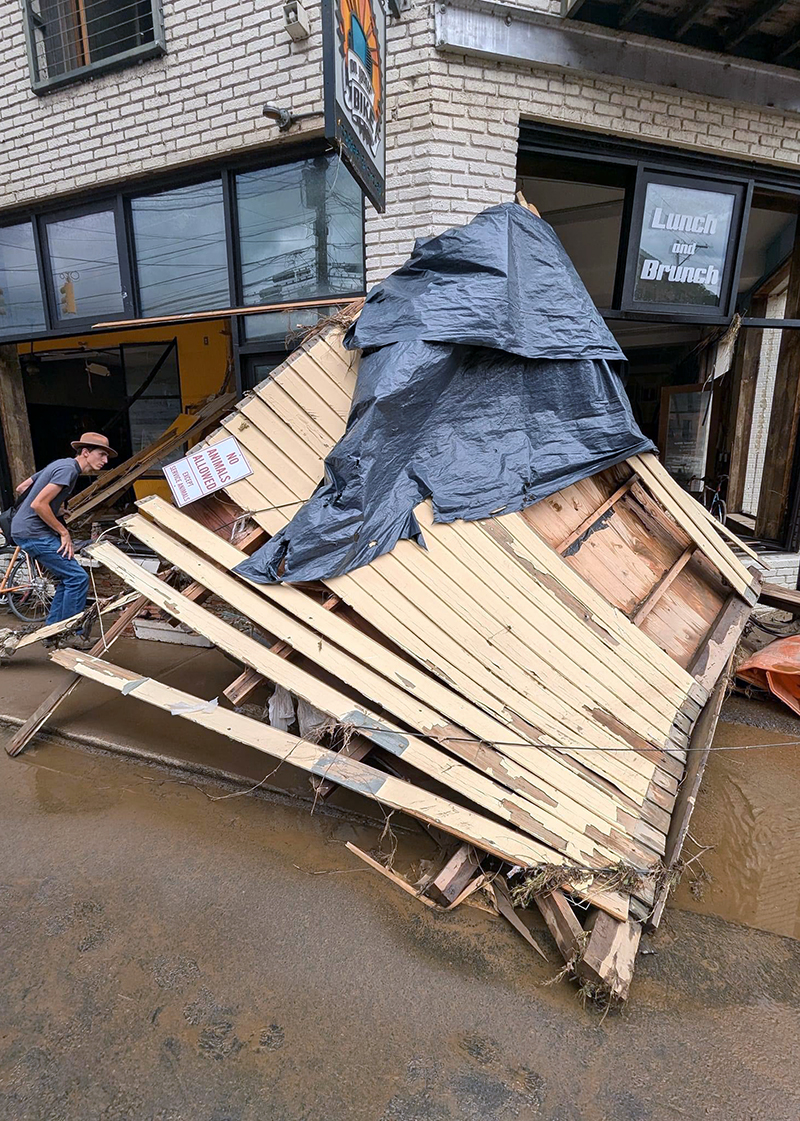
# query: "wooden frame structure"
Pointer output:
{"type": "Point", "coordinates": [554, 673]}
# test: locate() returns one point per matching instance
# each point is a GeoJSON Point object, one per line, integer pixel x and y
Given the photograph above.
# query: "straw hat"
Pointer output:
{"type": "Point", "coordinates": [94, 440]}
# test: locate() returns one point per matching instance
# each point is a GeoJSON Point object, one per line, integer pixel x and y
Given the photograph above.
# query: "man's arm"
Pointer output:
{"type": "Point", "coordinates": [41, 506]}
{"type": "Point", "coordinates": [24, 485]}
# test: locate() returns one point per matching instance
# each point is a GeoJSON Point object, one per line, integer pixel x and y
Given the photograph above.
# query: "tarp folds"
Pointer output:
{"type": "Point", "coordinates": [503, 281]}
{"type": "Point", "coordinates": [484, 384]}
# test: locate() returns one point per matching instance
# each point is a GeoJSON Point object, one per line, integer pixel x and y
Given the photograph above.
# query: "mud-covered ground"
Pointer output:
{"type": "Point", "coordinates": [170, 954]}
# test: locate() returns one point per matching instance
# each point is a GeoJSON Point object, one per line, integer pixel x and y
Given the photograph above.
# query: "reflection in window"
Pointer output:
{"type": "Point", "coordinates": [85, 266]}
{"type": "Point", "coordinates": [20, 296]}
{"type": "Point", "coordinates": [181, 260]}
{"type": "Point", "coordinates": [300, 232]}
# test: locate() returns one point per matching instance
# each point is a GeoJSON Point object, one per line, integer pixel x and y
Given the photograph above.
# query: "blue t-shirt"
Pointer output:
{"type": "Point", "coordinates": [26, 524]}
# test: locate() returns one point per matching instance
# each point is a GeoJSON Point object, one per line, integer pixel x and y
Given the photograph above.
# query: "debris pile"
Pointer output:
{"type": "Point", "coordinates": [532, 665]}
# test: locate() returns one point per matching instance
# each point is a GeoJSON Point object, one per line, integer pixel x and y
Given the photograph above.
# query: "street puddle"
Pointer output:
{"type": "Point", "coordinates": [748, 809]}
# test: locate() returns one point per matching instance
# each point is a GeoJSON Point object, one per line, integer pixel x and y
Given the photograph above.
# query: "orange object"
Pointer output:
{"type": "Point", "coordinates": [776, 668]}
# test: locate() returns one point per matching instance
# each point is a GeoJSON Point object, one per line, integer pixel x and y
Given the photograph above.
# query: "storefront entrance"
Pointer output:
{"type": "Point", "coordinates": [679, 253]}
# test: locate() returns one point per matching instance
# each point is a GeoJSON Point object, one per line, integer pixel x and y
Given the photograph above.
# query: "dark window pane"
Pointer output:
{"type": "Point", "coordinates": [300, 232]}
{"type": "Point", "coordinates": [20, 294]}
{"type": "Point", "coordinates": [180, 250]}
{"type": "Point", "coordinates": [70, 36]}
{"type": "Point", "coordinates": [83, 260]}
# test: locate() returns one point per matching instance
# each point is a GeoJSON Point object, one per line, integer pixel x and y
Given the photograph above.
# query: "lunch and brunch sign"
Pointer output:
{"type": "Point", "coordinates": [206, 470]}
{"type": "Point", "coordinates": [682, 244]}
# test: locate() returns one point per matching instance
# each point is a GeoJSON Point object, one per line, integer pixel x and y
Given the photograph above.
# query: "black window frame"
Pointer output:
{"type": "Point", "coordinates": [630, 158]}
{"type": "Point", "coordinates": [121, 60]}
{"type": "Point", "coordinates": [742, 193]}
{"type": "Point", "coordinates": [84, 322]}
{"type": "Point", "coordinates": [119, 200]}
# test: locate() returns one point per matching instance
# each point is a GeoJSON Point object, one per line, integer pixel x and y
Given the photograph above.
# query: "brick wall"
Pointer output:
{"type": "Point", "coordinates": [202, 99]}
{"type": "Point", "coordinates": [453, 125]}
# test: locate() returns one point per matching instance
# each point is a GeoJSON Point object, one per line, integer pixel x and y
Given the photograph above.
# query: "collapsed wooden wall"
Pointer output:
{"type": "Point", "coordinates": [546, 668]}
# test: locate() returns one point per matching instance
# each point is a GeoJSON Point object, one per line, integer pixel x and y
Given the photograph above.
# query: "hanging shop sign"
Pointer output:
{"type": "Point", "coordinates": [684, 243]}
{"type": "Point", "coordinates": [207, 470]}
{"type": "Point", "coordinates": [355, 89]}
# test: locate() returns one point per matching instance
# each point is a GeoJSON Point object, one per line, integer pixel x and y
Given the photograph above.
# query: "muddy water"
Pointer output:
{"type": "Point", "coordinates": [749, 811]}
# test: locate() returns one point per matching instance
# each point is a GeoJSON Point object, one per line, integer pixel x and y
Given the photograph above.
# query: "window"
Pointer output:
{"type": "Point", "coordinates": [84, 266]}
{"type": "Point", "coordinates": [160, 403]}
{"type": "Point", "coordinates": [300, 232]}
{"type": "Point", "coordinates": [21, 305]}
{"type": "Point", "coordinates": [181, 257]}
{"type": "Point", "coordinates": [69, 39]}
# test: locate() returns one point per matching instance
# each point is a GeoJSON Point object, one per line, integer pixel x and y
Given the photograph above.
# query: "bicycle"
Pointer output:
{"type": "Point", "coordinates": [26, 587]}
{"type": "Point", "coordinates": [712, 497]}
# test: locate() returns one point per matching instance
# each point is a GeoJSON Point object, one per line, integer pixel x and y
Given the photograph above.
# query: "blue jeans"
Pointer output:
{"type": "Point", "coordinates": [73, 581]}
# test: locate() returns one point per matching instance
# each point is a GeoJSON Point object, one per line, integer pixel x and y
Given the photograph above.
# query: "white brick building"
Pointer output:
{"type": "Point", "coordinates": [577, 109]}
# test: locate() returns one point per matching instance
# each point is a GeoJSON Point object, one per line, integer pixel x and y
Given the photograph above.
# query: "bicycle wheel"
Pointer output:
{"type": "Point", "coordinates": [33, 594]}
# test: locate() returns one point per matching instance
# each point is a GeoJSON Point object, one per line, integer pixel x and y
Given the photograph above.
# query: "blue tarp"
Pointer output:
{"type": "Point", "coordinates": [485, 383]}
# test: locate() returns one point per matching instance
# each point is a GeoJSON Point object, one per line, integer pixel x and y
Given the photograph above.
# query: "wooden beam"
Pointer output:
{"type": "Point", "coordinates": [699, 750]}
{"type": "Point", "coordinates": [780, 598]}
{"type": "Point", "coordinates": [502, 900]}
{"type": "Point", "coordinates": [666, 582]}
{"type": "Point", "coordinates": [749, 23]}
{"type": "Point", "coordinates": [610, 955]}
{"type": "Point", "coordinates": [595, 515]}
{"type": "Point", "coordinates": [222, 313]}
{"type": "Point", "coordinates": [688, 16]}
{"type": "Point", "coordinates": [720, 643]}
{"type": "Point", "coordinates": [14, 417]}
{"type": "Point", "coordinates": [562, 922]}
{"type": "Point", "coordinates": [58, 628]}
{"type": "Point", "coordinates": [24, 734]}
{"type": "Point", "coordinates": [451, 880]}
{"type": "Point", "coordinates": [783, 424]}
{"type": "Point", "coordinates": [745, 380]}
{"type": "Point", "coordinates": [111, 483]}
{"type": "Point", "coordinates": [466, 824]}
{"type": "Point", "coordinates": [356, 748]}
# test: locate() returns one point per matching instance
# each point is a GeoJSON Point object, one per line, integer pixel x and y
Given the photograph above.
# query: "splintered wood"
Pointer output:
{"type": "Point", "coordinates": [545, 669]}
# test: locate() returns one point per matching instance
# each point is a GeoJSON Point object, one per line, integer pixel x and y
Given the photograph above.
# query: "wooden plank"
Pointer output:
{"type": "Point", "coordinates": [666, 582]}
{"type": "Point", "coordinates": [472, 784]}
{"type": "Point", "coordinates": [58, 628]}
{"type": "Point", "coordinates": [780, 598]}
{"type": "Point", "coordinates": [687, 512]}
{"type": "Point", "coordinates": [451, 880]}
{"type": "Point", "coordinates": [700, 748]}
{"type": "Point", "coordinates": [516, 773]}
{"type": "Point", "coordinates": [14, 417]}
{"type": "Point", "coordinates": [398, 881]}
{"type": "Point", "coordinates": [469, 826]}
{"type": "Point", "coordinates": [356, 747]}
{"type": "Point", "coordinates": [562, 922]}
{"type": "Point", "coordinates": [610, 955]}
{"type": "Point", "coordinates": [249, 680]}
{"type": "Point", "coordinates": [783, 422]}
{"type": "Point", "coordinates": [594, 517]}
{"type": "Point", "coordinates": [745, 380]}
{"type": "Point", "coordinates": [721, 642]}
{"type": "Point", "coordinates": [224, 313]}
{"type": "Point", "coordinates": [28, 730]}
{"type": "Point", "coordinates": [502, 899]}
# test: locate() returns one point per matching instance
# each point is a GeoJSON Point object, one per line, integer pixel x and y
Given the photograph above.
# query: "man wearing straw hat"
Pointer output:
{"type": "Point", "coordinates": [38, 530]}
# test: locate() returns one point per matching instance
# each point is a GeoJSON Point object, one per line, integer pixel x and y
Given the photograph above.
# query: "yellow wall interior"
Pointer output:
{"type": "Point", "coordinates": [203, 359]}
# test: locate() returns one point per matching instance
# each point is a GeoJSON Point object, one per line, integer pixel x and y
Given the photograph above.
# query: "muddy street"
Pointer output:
{"type": "Point", "coordinates": [170, 953]}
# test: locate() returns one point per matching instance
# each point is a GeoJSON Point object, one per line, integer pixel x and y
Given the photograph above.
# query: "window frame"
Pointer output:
{"type": "Point", "coordinates": [84, 322]}
{"type": "Point", "coordinates": [119, 198]}
{"type": "Point", "coordinates": [119, 61]}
